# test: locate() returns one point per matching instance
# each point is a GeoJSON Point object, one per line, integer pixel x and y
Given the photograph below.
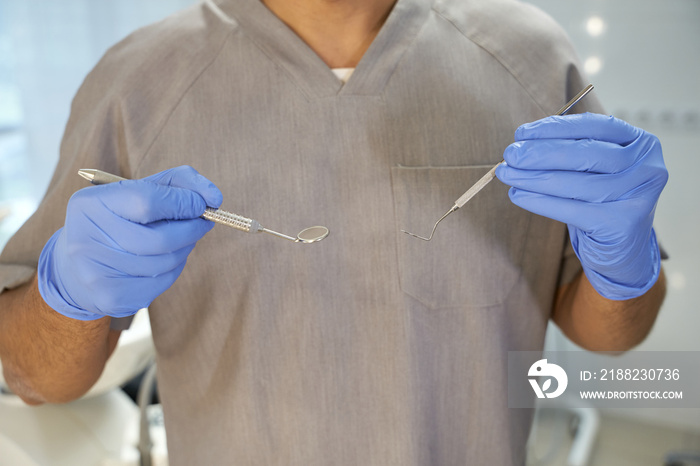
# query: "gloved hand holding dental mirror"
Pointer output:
{"type": "Point", "coordinates": [307, 235]}
{"type": "Point", "coordinates": [600, 176]}
{"type": "Point", "coordinates": [123, 244]}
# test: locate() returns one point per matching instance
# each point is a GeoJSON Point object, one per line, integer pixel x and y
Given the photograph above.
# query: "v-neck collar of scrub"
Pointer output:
{"type": "Point", "coordinates": [311, 75]}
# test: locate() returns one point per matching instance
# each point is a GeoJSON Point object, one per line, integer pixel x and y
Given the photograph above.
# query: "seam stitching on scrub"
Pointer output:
{"type": "Point", "coordinates": [521, 259]}
{"type": "Point", "coordinates": [216, 9]}
{"type": "Point", "coordinates": [475, 39]}
{"type": "Point", "coordinates": [277, 64]}
{"type": "Point", "coordinates": [408, 47]}
{"type": "Point", "coordinates": [389, 75]}
{"type": "Point", "coordinates": [563, 261]}
{"type": "Point", "coordinates": [228, 35]}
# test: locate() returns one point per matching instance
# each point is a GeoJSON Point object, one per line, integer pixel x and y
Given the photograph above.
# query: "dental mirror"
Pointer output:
{"type": "Point", "coordinates": [312, 234]}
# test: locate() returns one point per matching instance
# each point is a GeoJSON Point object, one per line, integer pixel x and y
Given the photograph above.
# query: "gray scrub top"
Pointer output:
{"type": "Point", "coordinates": [370, 347]}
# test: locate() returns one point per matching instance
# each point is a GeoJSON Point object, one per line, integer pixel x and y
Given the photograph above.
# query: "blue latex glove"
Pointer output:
{"type": "Point", "coordinates": [602, 177]}
{"type": "Point", "coordinates": [124, 243]}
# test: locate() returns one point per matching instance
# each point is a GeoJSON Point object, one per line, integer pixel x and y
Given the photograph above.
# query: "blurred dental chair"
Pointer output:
{"type": "Point", "coordinates": [101, 429]}
{"type": "Point", "coordinates": [682, 459]}
{"type": "Point", "coordinates": [583, 420]}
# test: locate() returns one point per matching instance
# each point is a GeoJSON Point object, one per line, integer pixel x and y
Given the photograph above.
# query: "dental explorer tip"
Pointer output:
{"type": "Point", "coordinates": [417, 236]}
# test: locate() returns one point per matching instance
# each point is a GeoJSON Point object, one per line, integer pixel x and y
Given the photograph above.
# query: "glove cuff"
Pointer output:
{"type": "Point", "coordinates": [51, 288]}
{"type": "Point", "coordinates": [618, 291]}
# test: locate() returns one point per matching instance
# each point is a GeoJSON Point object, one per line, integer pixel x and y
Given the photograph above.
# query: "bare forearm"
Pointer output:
{"type": "Point", "coordinates": [46, 356]}
{"type": "Point", "coordinates": [600, 324]}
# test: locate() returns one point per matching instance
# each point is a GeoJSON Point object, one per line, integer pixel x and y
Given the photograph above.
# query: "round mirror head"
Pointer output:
{"type": "Point", "coordinates": [312, 234]}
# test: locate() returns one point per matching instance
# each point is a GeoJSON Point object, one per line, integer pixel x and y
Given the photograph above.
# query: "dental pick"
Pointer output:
{"type": "Point", "coordinates": [491, 174]}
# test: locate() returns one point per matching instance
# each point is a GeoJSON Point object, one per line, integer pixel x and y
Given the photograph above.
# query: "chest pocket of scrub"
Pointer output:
{"type": "Point", "coordinates": [474, 257]}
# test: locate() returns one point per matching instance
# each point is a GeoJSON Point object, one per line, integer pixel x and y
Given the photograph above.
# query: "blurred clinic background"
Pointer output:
{"type": "Point", "coordinates": [643, 56]}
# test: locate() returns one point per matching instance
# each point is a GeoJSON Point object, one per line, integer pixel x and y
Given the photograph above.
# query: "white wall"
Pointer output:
{"type": "Point", "coordinates": [46, 49]}
{"type": "Point", "coordinates": [650, 76]}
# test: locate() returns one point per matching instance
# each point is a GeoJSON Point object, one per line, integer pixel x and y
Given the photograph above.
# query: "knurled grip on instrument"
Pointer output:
{"type": "Point", "coordinates": [232, 220]}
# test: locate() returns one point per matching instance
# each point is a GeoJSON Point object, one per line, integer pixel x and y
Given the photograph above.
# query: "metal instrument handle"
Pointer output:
{"type": "Point", "coordinates": [232, 220]}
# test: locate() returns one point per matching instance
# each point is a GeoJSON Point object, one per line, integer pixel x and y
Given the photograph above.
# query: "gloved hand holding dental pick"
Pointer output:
{"type": "Point", "coordinates": [602, 177]}
{"type": "Point", "coordinates": [125, 243]}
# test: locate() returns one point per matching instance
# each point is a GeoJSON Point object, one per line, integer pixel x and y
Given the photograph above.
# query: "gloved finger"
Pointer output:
{"type": "Point", "coordinates": [140, 201]}
{"type": "Point", "coordinates": [583, 155]}
{"type": "Point", "coordinates": [556, 208]}
{"type": "Point", "coordinates": [155, 238]}
{"type": "Point", "coordinates": [141, 292]}
{"type": "Point", "coordinates": [589, 187]}
{"type": "Point", "coordinates": [586, 216]}
{"type": "Point", "coordinates": [580, 126]}
{"type": "Point", "coordinates": [134, 265]}
{"type": "Point", "coordinates": [187, 177]}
